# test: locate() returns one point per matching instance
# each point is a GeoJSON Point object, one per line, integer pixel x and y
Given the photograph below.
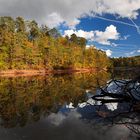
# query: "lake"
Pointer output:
{"type": "Point", "coordinates": [59, 107]}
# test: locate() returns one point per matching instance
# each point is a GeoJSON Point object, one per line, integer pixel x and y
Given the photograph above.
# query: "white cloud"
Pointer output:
{"type": "Point", "coordinates": [54, 19]}
{"type": "Point", "coordinates": [102, 37]}
{"type": "Point", "coordinates": [80, 33]}
{"type": "Point", "coordinates": [125, 37]}
{"type": "Point", "coordinates": [126, 45]}
{"type": "Point", "coordinates": [87, 46]}
{"type": "Point", "coordinates": [108, 52]}
{"type": "Point", "coordinates": [90, 46]}
{"type": "Point", "coordinates": [132, 52]}
{"type": "Point", "coordinates": [73, 23]}
{"type": "Point", "coordinates": [68, 11]}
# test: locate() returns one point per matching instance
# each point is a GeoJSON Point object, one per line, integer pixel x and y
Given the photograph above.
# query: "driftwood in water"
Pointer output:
{"type": "Point", "coordinates": [125, 91]}
{"type": "Point", "coordinates": [125, 95]}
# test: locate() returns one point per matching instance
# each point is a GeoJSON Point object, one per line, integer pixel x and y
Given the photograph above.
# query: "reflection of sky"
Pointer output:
{"type": "Point", "coordinates": [70, 123]}
{"type": "Point", "coordinates": [114, 87]}
{"type": "Point", "coordinates": [110, 106]}
{"type": "Point", "coordinates": [66, 126]}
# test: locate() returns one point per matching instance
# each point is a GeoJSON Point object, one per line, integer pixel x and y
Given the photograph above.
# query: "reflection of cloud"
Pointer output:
{"type": "Point", "coordinates": [59, 118]}
{"type": "Point", "coordinates": [81, 105]}
{"type": "Point", "coordinates": [71, 127]}
{"type": "Point", "coordinates": [70, 106]}
{"type": "Point", "coordinates": [112, 106]}
{"type": "Point", "coordinates": [67, 127]}
{"type": "Point", "coordinates": [56, 119]}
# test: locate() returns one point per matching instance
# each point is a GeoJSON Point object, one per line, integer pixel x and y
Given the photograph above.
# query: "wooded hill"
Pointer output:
{"type": "Point", "coordinates": [25, 45]}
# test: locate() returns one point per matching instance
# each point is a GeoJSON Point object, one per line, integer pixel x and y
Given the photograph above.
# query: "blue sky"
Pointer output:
{"type": "Point", "coordinates": [110, 25]}
{"type": "Point", "coordinates": [128, 42]}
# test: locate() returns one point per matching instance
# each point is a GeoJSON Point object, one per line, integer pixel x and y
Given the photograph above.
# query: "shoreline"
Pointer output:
{"type": "Point", "coordinates": [126, 68]}
{"type": "Point", "coordinates": [42, 72]}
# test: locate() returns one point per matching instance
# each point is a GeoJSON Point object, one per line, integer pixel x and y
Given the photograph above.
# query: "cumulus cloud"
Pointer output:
{"type": "Point", "coordinates": [138, 51]}
{"type": "Point", "coordinates": [73, 23]}
{"type": "Point", "coordinates": [55, 12]}
{"type": "Point", "coordinates": [108, 52]}
{"type": "Point", "coordinates": [80, 33]}
{"type": "Point", "coordinates": [102, 37]}
{"type": "Point", "coordinates": [54, 19]}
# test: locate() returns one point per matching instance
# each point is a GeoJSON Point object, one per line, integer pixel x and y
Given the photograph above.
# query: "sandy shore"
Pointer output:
{"type": "Point", "coordinates": [15, 73]}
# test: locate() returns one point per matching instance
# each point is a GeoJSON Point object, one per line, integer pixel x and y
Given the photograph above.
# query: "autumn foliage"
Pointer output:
{"type": "Point", "coordinates": [25, 45]}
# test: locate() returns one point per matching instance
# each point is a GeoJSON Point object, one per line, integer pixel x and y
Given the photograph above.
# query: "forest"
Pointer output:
{"type": "Point", "coordinates": [26, 45]}
{"type": "Point", "coordinates": [126, 61]}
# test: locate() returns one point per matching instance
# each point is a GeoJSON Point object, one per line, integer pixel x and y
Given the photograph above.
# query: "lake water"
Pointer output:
{"type": "Point", "coordinates": [59, 107]}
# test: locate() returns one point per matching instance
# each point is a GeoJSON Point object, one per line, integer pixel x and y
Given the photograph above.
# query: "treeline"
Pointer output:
{"type": "Point", "coordinates": [25, 45]}
{"type": "Point", "coordinates": [126, 61]}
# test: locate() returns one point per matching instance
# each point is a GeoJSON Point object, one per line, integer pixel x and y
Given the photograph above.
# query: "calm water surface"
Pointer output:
{"type": "Point", "coordinates": [59, 107]}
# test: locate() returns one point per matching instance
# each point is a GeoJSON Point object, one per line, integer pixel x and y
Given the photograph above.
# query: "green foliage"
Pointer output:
{"type": "Point", "coordinates": [20, 25]}
{"type": "Point", "coordinates": [25, 45]}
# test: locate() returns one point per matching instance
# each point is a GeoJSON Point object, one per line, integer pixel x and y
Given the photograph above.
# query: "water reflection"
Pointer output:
{"type": "Point", "coordinates": [25, 99]}
{"type": "Point", "coordinates": [69, 124]}
{"type": "Point", "coordinates": [61, 107]}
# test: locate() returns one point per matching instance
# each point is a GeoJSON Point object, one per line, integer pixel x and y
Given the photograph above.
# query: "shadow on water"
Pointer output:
{"type": "Point", "coordinates": [62, 107]}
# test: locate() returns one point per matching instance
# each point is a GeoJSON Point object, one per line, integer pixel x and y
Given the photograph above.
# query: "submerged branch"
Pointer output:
{"type": "Point", "coordinates": [125, 91]}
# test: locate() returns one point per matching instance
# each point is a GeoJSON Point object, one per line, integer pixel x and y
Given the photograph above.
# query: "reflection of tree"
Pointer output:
{"type": "Point", "coordinates": [120, 90]}
{"type": "Point", "coordinates": [125, 73]}
{"type": "Point", "coordinates": [28, 98]}
{"type": "Point", "coordinates": [124, 96]}
{"type": "Point", "coordinates": [131, 120]}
